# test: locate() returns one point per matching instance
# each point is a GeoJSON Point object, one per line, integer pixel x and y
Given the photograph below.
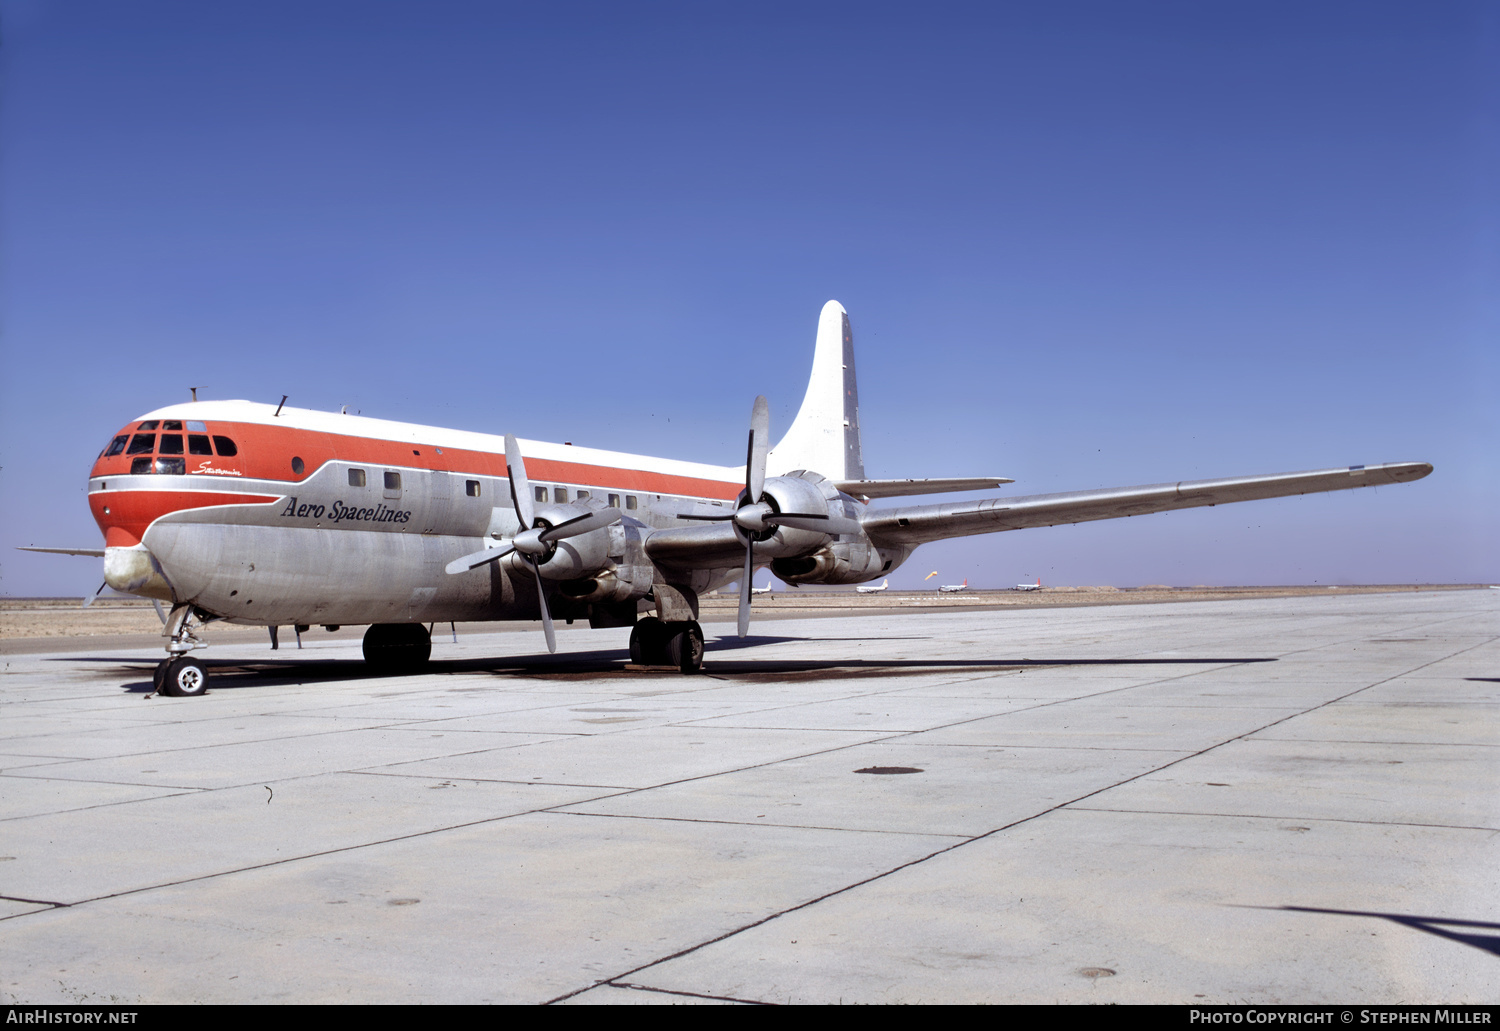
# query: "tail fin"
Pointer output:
{"type": "Point", "coordinates": [824, 437]}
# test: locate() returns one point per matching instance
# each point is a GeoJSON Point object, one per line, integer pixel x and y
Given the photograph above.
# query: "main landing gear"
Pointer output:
{"type": "Point", "coordinates": [655, 643]}
{"type": "Point", "coordinates": [397, 648]}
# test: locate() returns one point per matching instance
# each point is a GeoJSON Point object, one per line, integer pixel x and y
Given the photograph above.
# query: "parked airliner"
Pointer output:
{"type": "Point", "coordinates": [954, 588]}
{"type": "Point", "coordinates": [875, 590]}
{"type": "Point", "coordinates": [269, 515]}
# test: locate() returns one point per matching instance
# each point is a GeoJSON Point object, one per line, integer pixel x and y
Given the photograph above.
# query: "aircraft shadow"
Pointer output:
{"type": "Point", "coordinates": [611, 664]}
{"type": "Point", "coordinates": [1431, 924]}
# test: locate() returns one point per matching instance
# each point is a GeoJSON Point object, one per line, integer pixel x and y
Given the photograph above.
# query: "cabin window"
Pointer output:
{"type": "Point", "coordinates": [171, 444]}
{"type": "Point", "coordinates": [117, 445]}
{"type": "Point", "coordinates": [150, 424]}
{"type": "Point", "coordinates": [225, 447]}
{"type": "Point", "coordinates": [584, 495]}
{"type": "Point", "coordinates": [171, 466]}
{"type": "Point", "coordinates": [140, 466]}
{"type": "Point", "coordinates": [541, 494]}
{"type": "Point", "coordinates": [559, 495]}
{"type": "Point", "coordinates": [471, 488]}
{"type": "Point", "coordinates": [172, 424]}
{"type": "Point", "coordinates": [142, 444]}
{"type": "Point", "coordinates": [630, 502]}
{"type": "Point", "coordinates": [392, 480]}
{"type": "Point", "coordinates": [198, 444]}
{"type": "Point", "coordinates": [614, 501]}
{"type": "Point", "coordinates": [356, 477]}
{"type": "Point", "coordinates": [297, 466]}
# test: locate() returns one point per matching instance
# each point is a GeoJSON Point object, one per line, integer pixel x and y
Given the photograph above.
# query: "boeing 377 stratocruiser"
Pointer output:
{"type": "Point", "coordinates": [274, 516]}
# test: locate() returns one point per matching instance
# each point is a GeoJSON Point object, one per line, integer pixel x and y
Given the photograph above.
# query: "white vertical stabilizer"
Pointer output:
{"type": "Point", "coordinates": [824, 437]}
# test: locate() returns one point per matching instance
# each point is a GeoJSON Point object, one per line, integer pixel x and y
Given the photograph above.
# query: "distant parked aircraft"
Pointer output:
{"type": "Point", "coordinates": [761, 590]}
{"type": "Point", "coordinates": [1030, 587]}
{"type": "Point", "coordinates": [954, 588]}
{"type": "Point", "coordinates": [875, 590]}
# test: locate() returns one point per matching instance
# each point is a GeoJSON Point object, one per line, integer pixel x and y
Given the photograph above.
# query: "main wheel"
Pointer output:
{"type": "Point", "coordinates": [648, 644]}
{"type": "Point", "coordinates": [685, 646]}
{"type": "Point", "coordinates": [184, 677]}
{"type": "Point", "coordinates": [397, 647]}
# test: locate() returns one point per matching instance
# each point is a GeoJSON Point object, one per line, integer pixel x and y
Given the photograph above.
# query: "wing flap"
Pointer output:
{"type": "Point", "coordinates": [916, 524]}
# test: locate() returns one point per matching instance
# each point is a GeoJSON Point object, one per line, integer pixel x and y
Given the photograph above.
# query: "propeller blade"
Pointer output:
{"type": "Point", "coordinates": [815, 523]}
{"type": "Point", "coordinates": [477, 559]}
{"type": "Point", "coordinates": [95, 596]}
{"type": "Point", "coordinates": [582, 524]}
{"type": "Point", "coordinates": [520, 486]}
{"type": "Point", "coordinates": [755, 457]}
{"type": "Point", "coordinates": [745, 587]}
{"type": "Point", "coordinates": [161, 613]}
{"type": "Point", "coordinates": [541, 600]}
{"type": "Point", "coordinates": [705, 518]}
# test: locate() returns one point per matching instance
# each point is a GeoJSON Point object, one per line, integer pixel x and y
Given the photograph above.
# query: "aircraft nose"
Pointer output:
{"type": "Point", "coordinates": [134, 570]}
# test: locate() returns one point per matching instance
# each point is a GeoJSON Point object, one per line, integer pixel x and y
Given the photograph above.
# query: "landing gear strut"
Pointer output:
{"type": "Point", "coordinates": [178, 675]}
{"type": "Point", "coordinates": [655, 643]}
{"type": "Point", "coordinates": [397, 648]}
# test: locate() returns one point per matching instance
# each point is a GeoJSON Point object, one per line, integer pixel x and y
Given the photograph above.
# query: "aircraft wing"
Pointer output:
{"type": "Point", "coordinates": [901, 488]}
{"type": "Point", "coordinates": [916, 524]}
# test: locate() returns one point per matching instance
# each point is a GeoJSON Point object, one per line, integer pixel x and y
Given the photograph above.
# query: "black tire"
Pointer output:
{"type": "Point", "coordinates": [184, 677]}
{"type": "Point", "coordinates": [397, 648]}
{"type": "Point", "coordinates": [648, 646]}
{"type": "Point", "coordinates": [685, 647]}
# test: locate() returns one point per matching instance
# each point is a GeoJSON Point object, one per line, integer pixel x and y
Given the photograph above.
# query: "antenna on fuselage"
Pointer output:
{"type": "Point", "coordinates": [278, 407]}
{"type": "Point", "coordinates": [195, 392]}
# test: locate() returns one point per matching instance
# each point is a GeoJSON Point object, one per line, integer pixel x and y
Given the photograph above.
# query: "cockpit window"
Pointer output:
{"type": "Point", "coordinates": [140, 466]}
{"type": "Point", "coordinates": [172, 424]}
{"type": "Point", "coordinates": [226, 447]}
{"type": "Point", "coordinates": [198, 444]}
{"type": "Point", "coordinates": [194, 424]}
{"type": "Point", "coordinates": [171, 466]}
{"type": "Point", "coordinates": [117, 445]}
{"type": "Point", "coordinates": [150, 424]}
{"type": "Point", "coordinates": [142, 443]}
{"type": "Point", "coordinates": [171, 444]}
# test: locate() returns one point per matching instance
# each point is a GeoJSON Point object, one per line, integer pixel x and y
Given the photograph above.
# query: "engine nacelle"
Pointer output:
{"type": "Point", "coordinates": [574, 558]}
{"type": "Point", "coordinates": [845, 561]}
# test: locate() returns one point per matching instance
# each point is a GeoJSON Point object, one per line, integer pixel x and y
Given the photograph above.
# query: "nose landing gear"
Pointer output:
{"type": "Point", "coordinates": [178, 675]}
{"type": "Point", "coordinates": [182, 677]}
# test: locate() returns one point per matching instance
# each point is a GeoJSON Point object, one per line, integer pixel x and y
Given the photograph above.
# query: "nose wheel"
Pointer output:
{"type": "Point", "coordinates": [182, 677]}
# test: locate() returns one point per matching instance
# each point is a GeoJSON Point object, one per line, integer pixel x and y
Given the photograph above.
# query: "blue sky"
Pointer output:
{"type": "Point", "coordinates": [1082, 244]}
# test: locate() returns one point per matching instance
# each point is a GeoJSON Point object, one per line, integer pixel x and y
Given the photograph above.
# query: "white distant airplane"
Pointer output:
{"type": "Point", "coordinates": [1030, 587]}
{"type": "Point", "coordinates": [761, 590]}
{"type": "Point", "coordinates": [264, 515]}
{"type": "Point", "coordinates": [875, 590]}
{"type": "Point", "coordinates": [954, 588]}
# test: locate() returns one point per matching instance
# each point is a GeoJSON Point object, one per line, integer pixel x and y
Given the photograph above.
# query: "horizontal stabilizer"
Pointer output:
{"type": "Point", "coordinates": [915, 524]}
{"type": "Point", "coordinates": [905, 488]}
{"type": "Point", "coordinates": [91, 552]}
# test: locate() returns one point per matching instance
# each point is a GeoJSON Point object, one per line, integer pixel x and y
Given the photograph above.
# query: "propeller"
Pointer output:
{"type": "Point", "coordinates": [536, 538]}
{"type": "Point", "coordinates": [759, 512]}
